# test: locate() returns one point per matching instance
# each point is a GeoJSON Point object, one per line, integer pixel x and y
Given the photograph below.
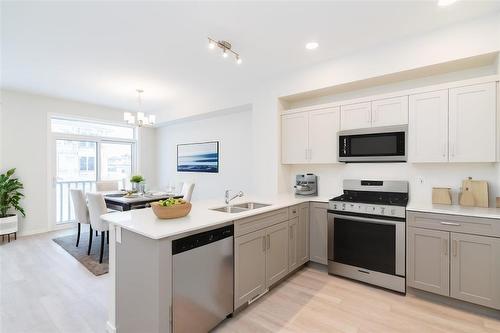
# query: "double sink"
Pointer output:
{"type": "Point", "coordinates": [240, 207]}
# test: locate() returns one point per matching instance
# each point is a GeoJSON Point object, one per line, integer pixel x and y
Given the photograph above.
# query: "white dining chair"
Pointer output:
{"type": "Point", "coordinates": [97, 207]}
{"type": "Point", "coordinates": [187, 191]}
{"type": "Point", "coordinates": [81, 210]}
{"type": "Point", "coordinates": [106, 185]}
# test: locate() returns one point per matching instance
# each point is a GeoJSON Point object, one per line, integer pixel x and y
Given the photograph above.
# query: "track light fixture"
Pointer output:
{"type": "Point", "coordinates": [225, 47]}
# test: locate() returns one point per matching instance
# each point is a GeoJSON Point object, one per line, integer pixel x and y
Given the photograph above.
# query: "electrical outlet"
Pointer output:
{"type": "Point", "coordinates": [420, 179]}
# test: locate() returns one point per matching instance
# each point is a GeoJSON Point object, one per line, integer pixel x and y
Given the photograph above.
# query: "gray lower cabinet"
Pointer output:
{"type": "Point", "coordinates": [293, 262]}
{"type": "Point", "coordinates": [250, 266]}
{"type": "Point", "coordinates": [303, 234]}
{"type": "Point", "coordinates": [428, 260]}
{"type": "Point", "coordinates": [260, 260]}
{"type": "Point", "coordinates": [318, 232]}
{"type": "Point", "coordinates": [455, 256]}
{"type": "Point", "coordinates": [277, 253]}
{"type": "Point", "coordinates": [475, 269]}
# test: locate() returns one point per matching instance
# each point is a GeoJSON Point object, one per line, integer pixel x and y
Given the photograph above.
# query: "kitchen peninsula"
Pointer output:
{"type": "Point", "coordinates": [141, 257]}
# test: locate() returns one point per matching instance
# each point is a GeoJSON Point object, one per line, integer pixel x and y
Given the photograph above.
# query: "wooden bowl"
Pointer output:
{"type": "Point", "coordinates": [171, 212]}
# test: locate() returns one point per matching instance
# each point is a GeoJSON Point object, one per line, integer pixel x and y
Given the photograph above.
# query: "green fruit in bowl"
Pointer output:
{"type": "Point", "coordinates": [171, 202]}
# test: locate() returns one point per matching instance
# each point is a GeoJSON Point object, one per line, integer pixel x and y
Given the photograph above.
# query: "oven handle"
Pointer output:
{"type": "Point", "coordinates": [365, 219]}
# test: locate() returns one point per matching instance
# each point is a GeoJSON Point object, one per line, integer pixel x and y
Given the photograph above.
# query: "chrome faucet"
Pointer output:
{"type": "Point", "coordinates": [228, 199]}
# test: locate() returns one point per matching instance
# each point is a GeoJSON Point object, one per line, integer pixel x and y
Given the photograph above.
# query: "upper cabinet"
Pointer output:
{"type": "Point", "coordinates": [472, 124]}
{"type": "Point", "coordinates": [428, 127]}
{"type": "Point", "coordinates": [355, 116]}
{"type": "Point", "coordinates": [447, 123]}
{"type": "Point", "coordinates": [382, 112]}
{"type": "Point", "coordinates": [310, 137]}
{"type": "Point", "coordinates": [390, 111]}
{"type": "Point", "coordinates": [455, 125]}
{"type": "Point", "coordinates": [295, 138]}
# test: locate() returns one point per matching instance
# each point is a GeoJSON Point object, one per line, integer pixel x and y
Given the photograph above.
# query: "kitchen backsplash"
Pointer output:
{"type": "Point", "coordinates": [422, 177]}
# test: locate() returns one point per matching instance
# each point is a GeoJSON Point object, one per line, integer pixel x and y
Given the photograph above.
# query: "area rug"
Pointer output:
{"type": "Point", "coordinates": [91, 262]}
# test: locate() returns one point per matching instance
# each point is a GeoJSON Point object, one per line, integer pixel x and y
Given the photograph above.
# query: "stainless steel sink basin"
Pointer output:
{"type": "Point", "coordinates": [251, 205]}
{"type": "Point", "coordinates": [230, 209]}
{"type": "Point", "coordinates": [240, 207]}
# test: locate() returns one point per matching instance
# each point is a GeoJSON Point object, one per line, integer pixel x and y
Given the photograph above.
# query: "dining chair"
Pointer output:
{"type": "Point", "coordinates": [187, 191]}
{"type": "Point", "coordinates": [81, 211]}
{"type": "Point", "coordinates": [106, 185]}
{"type": "Point", "coordinates": [97, 207]}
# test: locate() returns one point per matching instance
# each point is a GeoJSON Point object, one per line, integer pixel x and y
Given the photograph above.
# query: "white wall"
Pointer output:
{"type": "Point", "coordinates": [422, 177]}
{"type": "Point", "coordinates": [233, 131]}
{"type": "Point", "coordinates": [25, 146]}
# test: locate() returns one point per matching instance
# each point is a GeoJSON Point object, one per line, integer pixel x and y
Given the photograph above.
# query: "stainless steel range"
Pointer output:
{"type": "Point", "coordinates": [366, 233]}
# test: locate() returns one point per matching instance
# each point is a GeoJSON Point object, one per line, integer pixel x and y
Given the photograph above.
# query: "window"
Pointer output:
{"type": "Point", "coordinates": [86, 152]}
{"type": "Point", "coordinates": [87, 128]}
{"type": "Point", "coordinates": [116, 160]}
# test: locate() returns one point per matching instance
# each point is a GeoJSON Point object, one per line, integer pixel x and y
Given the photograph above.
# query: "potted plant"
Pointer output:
{"type": "Point", "coordinates": [10, 196]}
{"type": "Point", "coordinates": [137, 183]}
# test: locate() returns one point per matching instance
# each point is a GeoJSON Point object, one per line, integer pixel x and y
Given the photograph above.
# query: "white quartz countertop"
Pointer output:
{"type": "Point", "coordinates": [144, 222]}
{"type": "Point", "coordinates": [491, 213]}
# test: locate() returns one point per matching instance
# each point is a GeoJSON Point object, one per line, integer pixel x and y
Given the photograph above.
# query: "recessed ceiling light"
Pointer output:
{"type": "Point", "coordinates": [444, 3]}
{"type": "Point", "coordinates": [312, 45]}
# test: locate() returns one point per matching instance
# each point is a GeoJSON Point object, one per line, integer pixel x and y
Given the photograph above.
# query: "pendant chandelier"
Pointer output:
{"type": "Point", "coordinates": [141, 119]}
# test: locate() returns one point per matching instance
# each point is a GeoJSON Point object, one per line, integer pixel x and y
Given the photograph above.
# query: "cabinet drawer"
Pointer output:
{"type": "Point", "coordinates": [261, 221]}
{"type": "Point", "coordinates": [454, 223]}
{"type": "Point", "coordinates": [293, 211]}
{"type": "Point", "coordinates": [322, 205]}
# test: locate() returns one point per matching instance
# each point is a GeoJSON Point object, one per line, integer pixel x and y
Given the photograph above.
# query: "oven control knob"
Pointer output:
{"type": "Point", "coordinates": [382, 210]}
{"type": "Point", "coordinates": [393, 211]}
{"type": "Point", "coordinates": [343, 206]}
{"type": "Point", "coordinates": [334, 206]}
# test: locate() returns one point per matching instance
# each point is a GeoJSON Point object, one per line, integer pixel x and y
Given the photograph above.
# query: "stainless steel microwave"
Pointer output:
{"type": "Point", "coordinates": [375, 144]}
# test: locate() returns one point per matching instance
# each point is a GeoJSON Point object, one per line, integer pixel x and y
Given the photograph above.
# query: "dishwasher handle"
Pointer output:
{"type": "Point", "coordinates": [204, 238]}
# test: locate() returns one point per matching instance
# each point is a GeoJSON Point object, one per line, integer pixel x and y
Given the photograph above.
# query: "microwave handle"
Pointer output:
{"type": "Point", "coordinates": [365, 219]}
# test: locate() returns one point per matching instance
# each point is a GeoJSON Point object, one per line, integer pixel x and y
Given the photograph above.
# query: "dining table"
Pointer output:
{"type": "Point", "coordinates": [120, 201]}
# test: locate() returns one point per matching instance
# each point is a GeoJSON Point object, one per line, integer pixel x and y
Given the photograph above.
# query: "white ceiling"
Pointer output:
{"type": "Point", "coordinates": [100, 52]}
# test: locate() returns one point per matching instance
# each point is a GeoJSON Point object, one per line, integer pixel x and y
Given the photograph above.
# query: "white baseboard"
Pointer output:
{"type": "Point", "coordinates": [110, 328]}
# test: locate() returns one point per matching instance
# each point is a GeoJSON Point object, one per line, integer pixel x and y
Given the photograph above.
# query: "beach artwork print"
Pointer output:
{"type": "Point", "coordinates": [198, 157]}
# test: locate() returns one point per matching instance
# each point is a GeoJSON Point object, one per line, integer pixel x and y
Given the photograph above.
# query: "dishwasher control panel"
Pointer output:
{"type": "Point", "coordinates": [191, 242]}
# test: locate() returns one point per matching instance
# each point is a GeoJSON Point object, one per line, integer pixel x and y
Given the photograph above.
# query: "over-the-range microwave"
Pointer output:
{"type": "Point", "coordinates": [375, 144]}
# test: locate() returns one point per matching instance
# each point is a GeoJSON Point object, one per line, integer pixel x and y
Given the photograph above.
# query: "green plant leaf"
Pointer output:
{"type": "Point", "coordinates": [10, 195]}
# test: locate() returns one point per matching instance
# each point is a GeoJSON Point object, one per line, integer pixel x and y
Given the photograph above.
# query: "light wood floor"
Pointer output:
{"type": "Point", "coordinates": [44, 289]}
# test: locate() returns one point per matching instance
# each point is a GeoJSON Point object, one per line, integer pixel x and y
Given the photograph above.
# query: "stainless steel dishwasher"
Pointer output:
{"type": "Point", "coordinates": [203, 280]}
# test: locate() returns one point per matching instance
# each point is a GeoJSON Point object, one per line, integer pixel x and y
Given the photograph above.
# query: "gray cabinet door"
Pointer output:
{"type": "Point", "coordinates": [475, 269]}
{"type": "Point", "coordinates": [292, 244]}
{"type": "Point", "coordinates": [318, 233]}
{"type": "Point", "coordinates": [249, 266]}
{"type": "Point", "coordinates": [429, 260]}
{"type": "Point", "coordinates": [303, 234]}
{"type": "Point", "coordinates": [277, 253]}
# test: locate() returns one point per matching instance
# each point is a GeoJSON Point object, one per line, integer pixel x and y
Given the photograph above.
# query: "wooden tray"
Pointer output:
{"type": "Point", "coordinates": [171, 212]}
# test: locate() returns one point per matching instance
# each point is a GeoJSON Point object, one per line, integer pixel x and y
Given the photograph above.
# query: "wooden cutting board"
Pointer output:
{"type": "Point", "coordinates": [480, 193]}
{"type": "Point", "coordinates": [474, 193]}
{"type": "Point", "coordinates": [466, 197]}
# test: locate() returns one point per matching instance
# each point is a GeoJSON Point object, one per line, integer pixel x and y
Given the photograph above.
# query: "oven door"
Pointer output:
{"type": "Point", "coordinates": [375, 244]}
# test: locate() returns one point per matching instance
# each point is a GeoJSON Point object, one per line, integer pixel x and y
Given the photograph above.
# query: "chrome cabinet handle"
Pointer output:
{"type": "Point", "coordinates": [291, 232]}
{"type": "Point", "coordinates": [454, 248]}
{"type": "Point", "coordinates": [445, 246]}
{"type": "Point", "coordinates": [263, 243]}
{"type": "Point", "coordinates": [451, 223]}
{"type": "Point", "coordinates": [268, 242]}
